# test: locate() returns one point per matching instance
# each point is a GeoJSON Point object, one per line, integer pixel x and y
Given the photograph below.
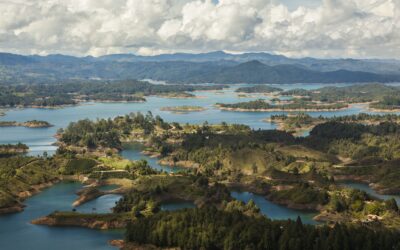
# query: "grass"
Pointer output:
{"type": "Point", "coordinates": [115, 162]}
{"type": "Point", "coordinates": [299, 151]}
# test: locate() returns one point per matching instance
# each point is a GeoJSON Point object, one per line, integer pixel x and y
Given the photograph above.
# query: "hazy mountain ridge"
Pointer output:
{"type": "Point", "coordinates": [218, 67]}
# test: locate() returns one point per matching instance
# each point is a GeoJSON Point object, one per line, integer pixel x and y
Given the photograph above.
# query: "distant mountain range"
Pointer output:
{"type": "Point", "coordinates": [215, 67]}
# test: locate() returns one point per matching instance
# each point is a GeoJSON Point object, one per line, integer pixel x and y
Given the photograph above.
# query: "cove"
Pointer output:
{"type": "Point", "coordinates": [133, 152]}
{"type": "Point", "coordinates": [366, 188]}
{"type": "Point", "coordinates": [16, 231]}
{"type": "Point", "coordinates": [274, 211]}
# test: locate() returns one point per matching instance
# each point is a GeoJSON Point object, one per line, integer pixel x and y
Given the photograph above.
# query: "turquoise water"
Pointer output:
{"type": "Point", "coordinates": [173, 206]}
{"type": "Point", "coordinates": [365, 187]}
{"type": "Point", "coordinates": [16, 231]}
{"type": "Point", "coordinates": [274, 211]}
{"type": "Point", "coordinates": [133, 152]}
{"type": "Point", "coordinates": [41, 139]}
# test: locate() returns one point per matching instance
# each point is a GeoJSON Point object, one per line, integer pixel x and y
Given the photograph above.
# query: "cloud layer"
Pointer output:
{"type": "Point", "coordinates": [335, 28]}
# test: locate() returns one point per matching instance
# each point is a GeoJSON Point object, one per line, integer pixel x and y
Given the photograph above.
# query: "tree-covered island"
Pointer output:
{"type": "Point", "coordinates": [183, 109]}
{"type": "Point", "coordinates": [28, 124]}
{"type": "Point", "coordinates": [261, 105]}
{"type": "Point", "coordinates": [72, 93]}
{"type": "Point", "coordinates": [298, 123]}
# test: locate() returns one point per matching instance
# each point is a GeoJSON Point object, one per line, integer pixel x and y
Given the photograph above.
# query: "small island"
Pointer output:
{"type": "Point", "coordinates": [112, 97]}
{"type": "Point", "coordinates": [183, 109]}
{"type": "Point", "coordinates": [27, 124]}
{"type": "Point", "coordinates": [262, 105]}
{"type": "Point", "coordinates": [177, 95]}
{"type": "Point", "coordinates": [258, 89]}
{"type": "Point", "coordinates": [13, 149]}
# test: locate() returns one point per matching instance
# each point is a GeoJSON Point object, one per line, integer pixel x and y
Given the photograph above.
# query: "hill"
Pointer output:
{"type": "Point", "coordinates": [215, 67]}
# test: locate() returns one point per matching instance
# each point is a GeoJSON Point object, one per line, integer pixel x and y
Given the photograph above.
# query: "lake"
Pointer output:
{"type": "Point", "coordinates": [17, 233]}
{"type": "Point", "coordinates": [275, 211]}
{"type": "Point", "coordinates": [41, 139]}
{"type": "Point", "coordinates": [133, 151]}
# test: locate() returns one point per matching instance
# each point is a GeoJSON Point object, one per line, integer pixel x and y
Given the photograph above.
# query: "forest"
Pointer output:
{"type": "Point", "coordinates": [303, 173]}
{"type": "Point", "coordinates": [210, 228]}
{"type": "Point", "coordinates": [69, 93]}
{"type": "Point", "coordinates": [296, 104]}
{"type": "Point", "coordinates": [358, 93]}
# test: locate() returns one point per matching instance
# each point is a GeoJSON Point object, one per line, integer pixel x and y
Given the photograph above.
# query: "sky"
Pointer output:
{"type": "Point", "coordinates": [296, 28]}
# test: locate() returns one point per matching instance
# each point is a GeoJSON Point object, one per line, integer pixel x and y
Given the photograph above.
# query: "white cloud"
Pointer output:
{"type": "Point", "coordinates": [338, 28]}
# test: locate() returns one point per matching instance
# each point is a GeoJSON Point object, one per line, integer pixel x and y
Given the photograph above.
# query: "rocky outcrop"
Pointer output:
{"type": "Point", "coordinates": [12, 209]}
{"type": "Point", "coordinates": [86, 195]}
{"type": "Point", "coordinates": [37, 188]}
{"type": "Point", "coordinates": [134, 246]}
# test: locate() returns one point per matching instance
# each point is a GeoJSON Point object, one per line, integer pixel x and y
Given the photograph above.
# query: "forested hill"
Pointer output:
{"type": "Point", "coordinates": [257, 72]}
{"type": "Point", "coordinates": [183, 69]}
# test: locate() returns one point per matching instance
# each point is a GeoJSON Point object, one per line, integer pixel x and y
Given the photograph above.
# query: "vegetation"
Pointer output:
{"type": "Point", "coordinates": [210, 228]}
{"type": "Point", "coordinates": [383, 97]}
{"type": "Point", "coordinates": [150, 191]}
{"type": "Point", "coordinates": [258, 89]}
{"type": "Point", "coordinates": [301, 122]}
{"type": "Point", "coordinates": [92, 134]}
{"type": "Point", "coordinates": [387, 103]}
{"type": "Point", "coordinates": [262, 105]}
{"type": "Point", "coordinates": [19, 174]}
{"type": "Point", "coordinates": [13, 149]}
{"type": "Point", "coordinates": [300, 173]}
{"type": "Point", "coordinates": [69, 93]}
{"type": "Point", "coordinates": [302, 194]}
{"type": "Point", "coordinates": [183, 109]}
{"type": "Point", "coordinates": [29, 124]}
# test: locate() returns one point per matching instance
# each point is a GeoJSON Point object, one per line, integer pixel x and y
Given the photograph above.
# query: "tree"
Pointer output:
{"type": "Point", "coordinates": [254, 168]}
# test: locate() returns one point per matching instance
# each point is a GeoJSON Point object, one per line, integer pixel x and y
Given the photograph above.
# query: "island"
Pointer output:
{"type": "Point", "coordinates": [177, 95]}
{"type": "Point", "coordinates": [110, 97]}
{"type": "Point", "coordinates": [258, 89]}
{"type": "Point", "coordinates": [28, 124]}
{"type": "Point", "coordinates": [261, 105]}
{"type": "Point", "coordinates": [13, 149]}
{"type": "Point", "coordinates": [379, 97]}
{"type": "Point", "coordinates": [58, 95]}
{"type": "Point", "coordinates": [298, 123]}
{"type": "Point", "coordinates": [183, 109]}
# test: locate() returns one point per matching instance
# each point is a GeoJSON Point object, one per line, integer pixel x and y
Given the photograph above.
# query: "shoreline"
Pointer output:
{"type": "Point", "coordinates": [22, 196]}
{"type": "Point", "coordinates": [36, 189]}
{"type": "Point", "coordinates": [74, 219]}
{"type": "Point", "coordinates": [278, 110]}
{"type": "Point", "coordinates": [28, 124]}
